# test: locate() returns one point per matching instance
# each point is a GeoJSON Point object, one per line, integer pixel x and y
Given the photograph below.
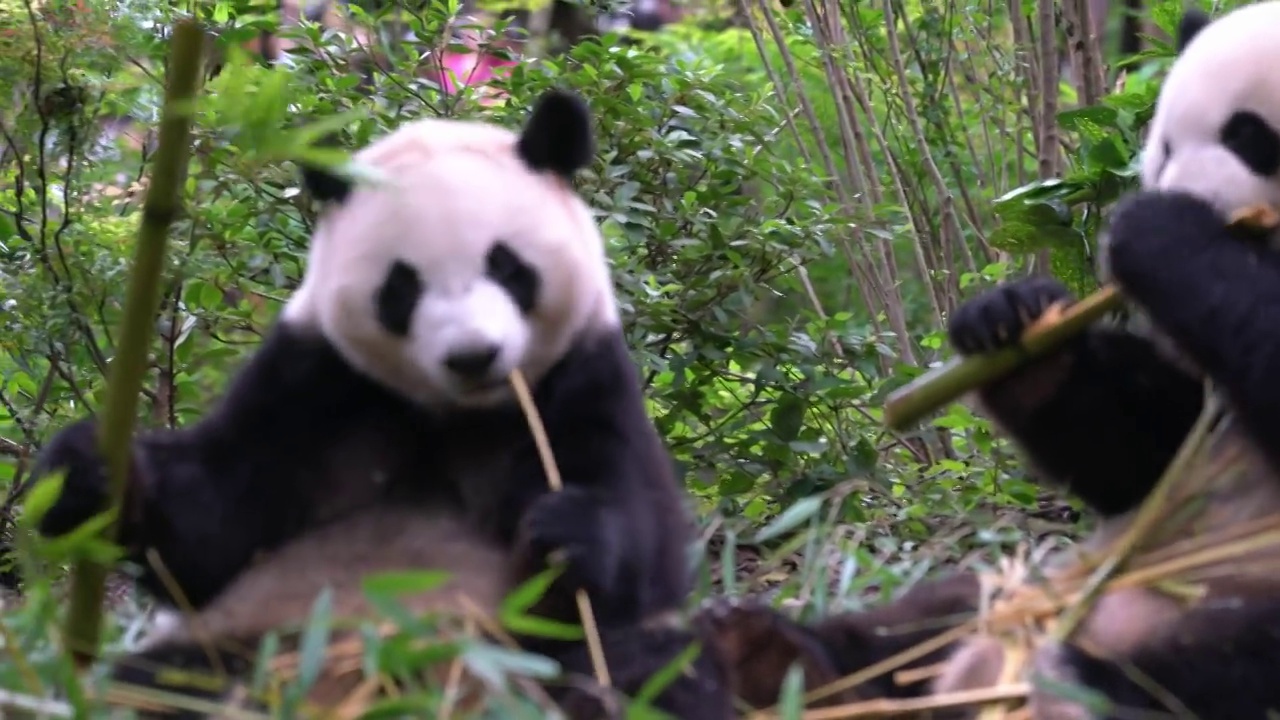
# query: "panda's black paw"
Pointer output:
{"type": "Point", "coordinates": [1154, 236]}
{"type": "Point", "coordinates": [572, 526]}
{"type": "Point", "coordinates": [997, 318]}
{"type": "Point", "coordinates": [73, 451]}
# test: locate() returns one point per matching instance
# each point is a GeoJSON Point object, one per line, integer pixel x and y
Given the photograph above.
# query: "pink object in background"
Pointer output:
{"type": "Point", "coordinates": [471, 69]}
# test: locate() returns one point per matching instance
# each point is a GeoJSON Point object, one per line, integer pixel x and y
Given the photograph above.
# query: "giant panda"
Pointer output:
{"type": "Point", "coordinates": [376, 421]}
{"type": "Point", "coordinates": [1105, 416]}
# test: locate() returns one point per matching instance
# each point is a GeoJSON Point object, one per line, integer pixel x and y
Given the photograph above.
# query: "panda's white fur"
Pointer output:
{"type": "Point", "coordinates": [1223, 69]}
{"type": "Point", "coordinates": [357, 440]}
{"type": "Point", "coordinates": [441, 177]}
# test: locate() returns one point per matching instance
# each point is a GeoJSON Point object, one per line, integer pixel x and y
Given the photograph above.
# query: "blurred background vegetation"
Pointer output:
{"type": "Point", "coordinates": [795, 197]}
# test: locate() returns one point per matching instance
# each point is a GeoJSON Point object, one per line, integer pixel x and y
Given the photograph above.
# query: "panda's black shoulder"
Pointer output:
{"type": "Point", "coordinates": [598, 378]}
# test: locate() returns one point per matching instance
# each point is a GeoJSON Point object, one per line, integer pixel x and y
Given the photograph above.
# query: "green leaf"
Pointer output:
{"type": "Point", "coordinates": [84, 542]}
{"type": "Point", "coordinates": [1092, 121]}
{"type": "Point", "coordinates": [1095, 702]}
{"type": "Point", "coordinates": [1070, 264]}
{"type": "Point", "coordinates": [791, 698]}
{"type": "Point", "coordinates": [493, 663]}
{"type": "Point", "coordinates": [1106, 154]}
{"type": "Point", "coordinates": [1167, 14]}
{"type": "Point", "coordinates": [1036, 190]}
{"type": "Point", "coordinates": [661, 679]}
{"type": "Point", "coordinates": [1019, 237]}
{"type": "Point", "coordinates": [267, 649]}
{"type": "Point", "coordinates": [787, 416]}
{"type": "Point", "coordinates": [7, 228]}
{"type": "Point", "coordinates": [791, 518]}
{"type": "Point", "coordinates": [406, 582]}
{"type": "Point", "coordinates": [210, 296]}
{"type": "Point", "coordinates": [542, 627]}
{"type": "Point", "coordinates": [41, 497]}
{"type": "Point", "coordinates": [315, 642]}
{"type": "Point", "coordinates": [319, 129]}
{"type": "Point", "coordinates": [529, 592]}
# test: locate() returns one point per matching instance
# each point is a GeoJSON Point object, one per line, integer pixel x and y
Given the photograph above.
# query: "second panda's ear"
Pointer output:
{"type": "Point", "coordinates": [324, 185]}
{"type": "Point", "coordinates": [557, 136]}
{"type": "Point", "coordinates": [1193, 21]}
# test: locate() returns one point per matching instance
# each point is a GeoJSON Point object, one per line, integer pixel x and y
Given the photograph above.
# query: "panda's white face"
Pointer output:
{"type": "Point", "coordinates": [459, 266]}
{"type": "Point", "coordinates": [1216, 130]}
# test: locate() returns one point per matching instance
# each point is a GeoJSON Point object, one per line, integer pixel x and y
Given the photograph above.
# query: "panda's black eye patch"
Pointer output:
{"type": "Point", "coordinates": [505, 267]}
{"type": "Point", "coordinates": [397, 298]}
{"type": "Point", "coordinates": [1254, 141]}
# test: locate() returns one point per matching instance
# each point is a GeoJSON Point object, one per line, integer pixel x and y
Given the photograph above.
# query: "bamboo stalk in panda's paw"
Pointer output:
{"type": "Point", "coordinates": [524, 394]}
{"type": "Point", "coordinates": [950, 381]}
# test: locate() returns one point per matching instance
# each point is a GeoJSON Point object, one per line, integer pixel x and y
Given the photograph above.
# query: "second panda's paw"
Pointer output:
{"type": "Point", "coordinates": [74, 452]}
{"type": "Point", "coordinates": [571, 526]}
{"type": "Point", "coordinates": [998, 318]}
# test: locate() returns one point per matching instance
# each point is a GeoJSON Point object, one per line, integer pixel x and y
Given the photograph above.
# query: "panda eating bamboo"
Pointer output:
{"type": "Point", "coordinates": [375, 428]}
{"type": "Point", "coordinates": [1106, 415]}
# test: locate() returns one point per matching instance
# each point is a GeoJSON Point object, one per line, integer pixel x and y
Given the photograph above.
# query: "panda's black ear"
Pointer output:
{"type": "Point", "coordinates": [1193, 21]}
{"type": "Point", "coordinates": [557, 136]}
{"type": "Point", "coordinates": [325, 185]}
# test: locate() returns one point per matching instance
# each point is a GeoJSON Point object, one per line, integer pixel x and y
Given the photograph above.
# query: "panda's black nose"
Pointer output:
{"type": "Point", "coordinates": [472, 363]}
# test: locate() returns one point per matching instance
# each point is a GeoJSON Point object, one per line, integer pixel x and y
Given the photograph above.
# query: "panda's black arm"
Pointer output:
{"type": "Point", "coordinates": [620, 518]}
{"type": "Point", "coordinates": [171, 505]}
{"type": "Point", "coordinates": [245, 478]}
{"type": "Point", "coordinates": [1103, 415]}
{"type": "Point", "coordinates": [1113, 421]}
{"type": "Point", "coordinates": [1216, 295]}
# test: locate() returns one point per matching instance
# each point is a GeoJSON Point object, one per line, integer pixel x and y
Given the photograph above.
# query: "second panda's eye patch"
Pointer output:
{"type": "Point", "coordinates": [505, 267]}
{"type": "Point", "coordinates": [1254, 141]}
{"type": "Point", "coordinates": [397, 298]}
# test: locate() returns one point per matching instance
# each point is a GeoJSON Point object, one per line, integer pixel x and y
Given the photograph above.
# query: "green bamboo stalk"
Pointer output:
{"type": "Point", "coordinates": [946, 383]}
{"type": "Point", "coordinates": [163, 203]}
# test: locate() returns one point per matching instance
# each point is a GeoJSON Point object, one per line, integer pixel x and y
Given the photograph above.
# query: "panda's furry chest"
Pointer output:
{"type": "Point", "coordinates": [482, 476]}
{"type": "Point", "coordinates": [466, 465]}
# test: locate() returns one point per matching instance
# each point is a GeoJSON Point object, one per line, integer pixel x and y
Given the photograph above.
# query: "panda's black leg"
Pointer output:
{"type": "Point", "coordinates": [635, 654]}
{"type": "Point", "coordinates": [1223, 666]}
{"type": "Point", "coordinates": [1217, 295]}
{"type": "Point", "coordinates": [1104, 415]}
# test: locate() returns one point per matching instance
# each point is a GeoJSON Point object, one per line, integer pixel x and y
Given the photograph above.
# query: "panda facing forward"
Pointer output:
{"type": "Point", "coordinates": [1105, 416]}
{"type": "Point", "coordinates": [377, 418]}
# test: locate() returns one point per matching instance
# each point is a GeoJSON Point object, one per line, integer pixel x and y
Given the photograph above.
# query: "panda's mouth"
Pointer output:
{"type": "Point", "coordinates": [1252, 235]}
{"type": "Point", "coordinates": [481, 388]}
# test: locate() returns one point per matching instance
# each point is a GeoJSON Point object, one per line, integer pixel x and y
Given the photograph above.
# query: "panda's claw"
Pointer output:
{"type": "Point", "coordinates": [1052, 315]}
{"type": "Point", "coordinates": [1000, 318]}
